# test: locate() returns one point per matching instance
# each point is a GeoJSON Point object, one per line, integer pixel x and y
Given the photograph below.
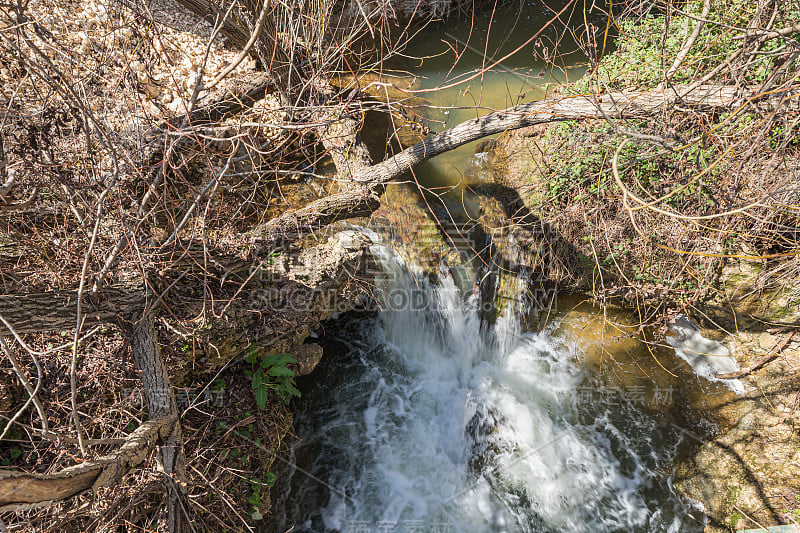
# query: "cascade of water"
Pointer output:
{"type": "Point", "coordinates": [432, 423]}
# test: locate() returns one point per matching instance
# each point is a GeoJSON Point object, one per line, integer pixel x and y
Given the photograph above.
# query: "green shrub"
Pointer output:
{"type": "Point", "coordinates": [271, 374]}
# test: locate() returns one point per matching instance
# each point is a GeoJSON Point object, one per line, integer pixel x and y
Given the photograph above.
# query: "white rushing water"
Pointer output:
{"type": "Point", "coordinates": [429, 422]}
{"type": "Point", "coordinates": [706, 357]}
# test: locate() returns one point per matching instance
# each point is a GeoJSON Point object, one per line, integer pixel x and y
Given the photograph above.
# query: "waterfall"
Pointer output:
{"type": "Point", "coordinates": [425, 421]}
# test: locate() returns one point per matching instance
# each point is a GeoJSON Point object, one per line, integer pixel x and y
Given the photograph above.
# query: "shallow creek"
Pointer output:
{"type": "Point", "coordinates": [422, 418]}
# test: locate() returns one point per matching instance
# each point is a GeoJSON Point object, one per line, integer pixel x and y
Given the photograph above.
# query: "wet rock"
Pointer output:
{"type": "Point", "coordinates": [406, 224]}
{"type": "Point", "coordinates": [308, 357]}
{"type": "Point", "coordinates": [285, 300]}
{"type": "Point", "coordinates": [482, 430]}
{"type": "Point", "coordinates": [486, 145]}
{"type": "Point", "coordinates": [749, 474]}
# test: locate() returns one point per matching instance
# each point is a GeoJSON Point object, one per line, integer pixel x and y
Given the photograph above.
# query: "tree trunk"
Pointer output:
{"type": "Point", "coordinates": [619, 106]}
{"type": "Point", "coordinates": [161, 404]}
{"type": "Point", "coordinates": [19, 490]}
{"type": "Point", "coordinates": [339, 135]}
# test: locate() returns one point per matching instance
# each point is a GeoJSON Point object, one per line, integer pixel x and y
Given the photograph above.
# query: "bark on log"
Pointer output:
{"type": "Point", "coordinates": [231, 101]}
{"type": "Point", "coordinates": [350, 157]}
{"type": "Point", "coordinates": [340, 138]}
{"type": "Point", "coordinates": [295, 224]}
{"type": "Point", "coordinates": [161, 404]}
{"type": "Point", "coordinates": [49, 311]}
{"type": "Point", "coordinates": [290, 227]}
{"type": "Point", "coordinates": [55, 310]}
{"type": "Point", "coordinates": [19, 490]}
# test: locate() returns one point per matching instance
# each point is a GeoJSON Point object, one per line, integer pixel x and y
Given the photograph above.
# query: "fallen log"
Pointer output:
{"type": "Point", "coordinates": [630, 105]}
{"type": "Point", "coordinates": [21, 490]}
{"type": "Point", "coordinates": [57, 310]}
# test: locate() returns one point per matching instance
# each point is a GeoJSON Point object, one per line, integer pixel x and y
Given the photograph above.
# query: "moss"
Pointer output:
{"type": "Point", "coordinates": [733, 520]}
{"type": "Point", "coordinates": [647, 46]}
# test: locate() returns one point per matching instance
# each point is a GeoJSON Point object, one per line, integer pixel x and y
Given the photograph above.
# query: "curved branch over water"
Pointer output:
{"type": "Point", "coordinates": [362, 201]}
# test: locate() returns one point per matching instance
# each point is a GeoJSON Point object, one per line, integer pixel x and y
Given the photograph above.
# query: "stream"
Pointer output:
{"type": "Point", "coordinates": [423, 417]}
{"type": "Point", "coordinates": [420, 419]}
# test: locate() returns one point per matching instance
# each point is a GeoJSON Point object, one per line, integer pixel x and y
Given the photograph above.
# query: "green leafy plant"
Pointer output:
{"type": "Point", "coordinates": [271, 374]}
{"type": "Point", "coordinates": [13, 455]}
{"type": "Point", "coordinates": [255, 493]}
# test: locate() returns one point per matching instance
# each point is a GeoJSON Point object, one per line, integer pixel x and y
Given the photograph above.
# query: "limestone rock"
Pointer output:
{"type": "Point", "coordinates": [308, 357]}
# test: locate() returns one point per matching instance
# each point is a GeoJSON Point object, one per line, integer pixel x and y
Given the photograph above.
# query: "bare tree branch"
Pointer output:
{"type": "Point", "coordinates": [363, 201]}
{"type": "Point", "coordinates": [19, 490]}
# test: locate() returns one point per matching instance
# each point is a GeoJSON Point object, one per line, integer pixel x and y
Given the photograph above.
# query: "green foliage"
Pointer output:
{"type": "Point", "coordinates": [255, 493]}
{"type": "Point", "coordinates": [648, 46]}
{"type": "Point", "coordinates": [796, 512]}
{"type": "Point", "coordinates": [271, 374]}
{"type": "Point", "coordinates": [702, 173]}
{"type": "Point", "coordinates": [14, 452]}
{"type": "Point", "coordinates": [576, 169]}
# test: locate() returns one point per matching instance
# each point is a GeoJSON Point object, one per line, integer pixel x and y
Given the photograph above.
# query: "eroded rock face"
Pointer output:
{"type": "Point", "coordinates": [406, 224]}
{"type": "Point", "coordinates": [284, 300]}
{"type": "Point", "coordinates": [755, 297]}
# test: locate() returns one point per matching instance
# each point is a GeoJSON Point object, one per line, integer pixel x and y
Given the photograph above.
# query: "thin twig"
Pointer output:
{"type": "Point", "coordinates": [262, 17]}
{"type": "Point", "coordinates": [32, 392]}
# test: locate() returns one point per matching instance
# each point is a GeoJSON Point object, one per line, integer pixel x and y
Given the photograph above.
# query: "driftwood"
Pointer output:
{"type": "Point", "coordinates": [19, 490]}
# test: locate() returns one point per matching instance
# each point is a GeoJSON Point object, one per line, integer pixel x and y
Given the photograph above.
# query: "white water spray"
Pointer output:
{"type": "Point", "coordinates": [706, 357]}
{"type": "Point", "coordinates": [440, 426]}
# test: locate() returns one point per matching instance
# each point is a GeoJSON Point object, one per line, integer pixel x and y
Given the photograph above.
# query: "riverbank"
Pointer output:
{"type": "Point", "coordinates": [69, 194]}
{"type": "Point", "coordinates": [684, 244]}
{"type": "Point", "coordinates": [192, 230]}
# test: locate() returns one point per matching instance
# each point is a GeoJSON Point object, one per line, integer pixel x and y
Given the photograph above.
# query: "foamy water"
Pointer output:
{"type": "Point", "coordinates": [429, 423]}
{"type": "Point", "coordinates": [707, 357]}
